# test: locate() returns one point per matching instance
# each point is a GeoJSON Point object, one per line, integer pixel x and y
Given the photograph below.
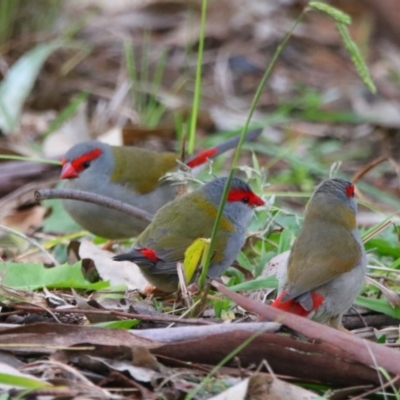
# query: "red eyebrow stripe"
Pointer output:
{"type": "Point", "coordinates": [202, 157]}
{"type": "Point", "coordinates": [90, 156]}
{"type": "Point", "coordinates": [239, 195]}
{"type": "Point", "coordinates": [350, 191]}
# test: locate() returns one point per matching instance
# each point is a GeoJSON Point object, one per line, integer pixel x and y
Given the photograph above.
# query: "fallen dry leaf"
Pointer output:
{"type": "Point", "coordinates": [285, 355]}
{"type": "Point", "coordinates": [116, 272]}
{"type": "Point", "coordinates": [24, 220]}
{"type": "Point", "coordinates": [264, 387]}
{"type": "Point", "coordinates": [277, 267]}
{"type": "Point", "coordinates": [50, 337]}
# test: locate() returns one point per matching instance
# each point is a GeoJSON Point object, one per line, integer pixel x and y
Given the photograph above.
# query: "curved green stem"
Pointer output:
{"type": "Point", "coordinates": [197, 88]}
{"type": "Point", "coordinates": [32, 159]}
{"type": "Point", "coordinates": [256, 98]}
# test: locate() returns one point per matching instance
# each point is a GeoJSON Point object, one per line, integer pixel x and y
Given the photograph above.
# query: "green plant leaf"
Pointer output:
{"type": "Point", "coordinates": [126, 324]}
{"type": "Point", "coordinates": [220, 305]}
{"type": "Point", "coordinates": [284, 241]}
{"type": "Point", "coordinates": [18, 83]}
{"type": "Point", "coordinates": [383, 247]}
{"type": "Point", "coordinates": [378, 305]}
{"type": "Point", "coordinates": [59, 220]}
{"type": "Point", "coordinates": [35, 276]}
{"type": "Point", "coordinates": [381, 339]}
{"type": "Point", "coordinates": [245, 262]}
{"type": "Point", "coordinates": [265, 282]}
{"type": "Point", "coordinates": [193, 257]}
{"type": "Point", "coordinates": [22, 381]}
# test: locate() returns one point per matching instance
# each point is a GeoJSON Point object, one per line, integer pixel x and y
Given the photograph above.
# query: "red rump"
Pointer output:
{"type": "Point", "coordinates": [149, 254]}
{"type": "Point", "coordinates": [350, 191]}
{"type": "Point", "coordinates": [294, 307]}
{"type": "Point", "coordinates": [242, 195]}
{"type": "Point", "coordinates": [201, 158]}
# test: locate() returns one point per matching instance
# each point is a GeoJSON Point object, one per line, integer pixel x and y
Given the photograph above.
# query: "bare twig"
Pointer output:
{"type": "Point", "coordinates": [142, 317]}
{"type": "Point", "coordinates": [359, 174]}
{"type": "Point", "coordinates": [88, 197]}
{"type": "Point", "coordinates": [374, 390]}
{"type": "Point", "coordinates": [31, 241]}
{"type": "Point", "coordinates": [386, 358]}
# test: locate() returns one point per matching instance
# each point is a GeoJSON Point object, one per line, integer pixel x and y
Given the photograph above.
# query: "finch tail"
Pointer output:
{"type": "Point", "coordinates": [202, 157]}
{"type": "Point", "coordinates": [294, 307]}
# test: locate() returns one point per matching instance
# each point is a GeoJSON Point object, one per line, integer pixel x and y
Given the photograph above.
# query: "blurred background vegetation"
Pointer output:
{"type": "Point", "coordinates": [125, 71]}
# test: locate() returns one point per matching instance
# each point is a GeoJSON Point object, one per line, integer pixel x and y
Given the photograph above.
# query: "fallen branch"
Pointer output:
{"type": "Point", "coordinates": [363, 351]}
{"type": "Point", "coordinates": [180, 334]}
{"type": "Point", "coordinates": [304, 360]}
{"type": "Point", "coordinates": [367, 318]}
{"type": "Point", "coordinates": [46, 194]}
{"type": "Point", "coordinates": [307, 360]}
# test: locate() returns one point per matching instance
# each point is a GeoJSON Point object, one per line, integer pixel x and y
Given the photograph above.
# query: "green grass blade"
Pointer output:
{"type": "Point", "coordinates": [256, 98]}
{"type": "Point", "coordinates": [22, 381]}
{"type": "Point", "coordinates": [125, 324]}
{"type": "Point", "coordinates": [131, 70]}
{"type": "Point", "coordinates": [144, 72]}
{"type": "Point", "coordinates": [67, 112]}
{"type": "Point", "coordinates": [333, 12]}
{"type": "Point", "coordinates": [8, 11]}
{"type": "Point", "coordinates": [342, 20]}
{"type": "Point", "coordinates": [356, 57]}
{"type": "Point", "coordinates": [32, 159]}
{"type": "Point", "coordinates": [156, 110]}
{"type": "Point", "coordinates": [232, 354]}
{"type": "Point", "coordinates": [197, 88]}
{"type": "Point", "coordinates": [379, 305]}
{"type": "Point", "coordinates": [265, 282]}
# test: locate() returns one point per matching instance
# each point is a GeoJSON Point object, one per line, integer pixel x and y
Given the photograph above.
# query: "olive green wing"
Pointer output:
{"type": "Point", "coordinates": [319, 255]}
{"type": "Point", "coordinates": [141, 169]}
{"type": "Point", "coordinates": [176, 226]}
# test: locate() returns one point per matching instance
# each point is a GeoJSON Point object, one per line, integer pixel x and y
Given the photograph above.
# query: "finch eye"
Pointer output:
{"type": "Point", "coordinates": [86, 164]}
{"type": "Point", "coordinates": [245, 200]}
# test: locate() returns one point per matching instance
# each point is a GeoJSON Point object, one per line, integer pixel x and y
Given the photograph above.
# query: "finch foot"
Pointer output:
{"type": "Point", "coordinates": [336, 323]}
{"type": "Point", "coordinates": [341, 328]}
{"type": "Point", "coordinates": [149, 290]}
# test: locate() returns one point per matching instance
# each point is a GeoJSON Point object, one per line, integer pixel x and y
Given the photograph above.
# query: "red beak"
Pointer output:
{"type": "Point", "coordinates": [68, 171]}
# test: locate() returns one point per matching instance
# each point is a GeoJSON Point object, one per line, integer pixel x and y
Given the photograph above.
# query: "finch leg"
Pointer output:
{"type": "Point", "coordinates": [336, 322]}
{"type": "Point", "coordinates": [107, 245]}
